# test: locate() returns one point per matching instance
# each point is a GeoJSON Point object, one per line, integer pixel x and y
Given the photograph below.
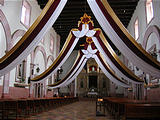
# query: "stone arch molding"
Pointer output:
{"type": "Point", "coordinates": [7, 30]}
{"type": "Point", "coordinates": [40, 48]}
{"type": "Point", "coordinates": [32, 37]}
{"type": "Point", "coordinates": [51, 58]}
{"type": "Point", "coordinates": [149, 31]}
{"type": "Point", "coordinates": [16, 34]}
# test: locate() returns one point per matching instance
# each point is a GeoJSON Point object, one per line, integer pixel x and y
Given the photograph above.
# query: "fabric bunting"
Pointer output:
{"type": "Point", "coordinates": [112, 59]}
{"type": "Point", "coordinates": [121, 38]}
{"type": "Point", "coordinates": [66, 51]}
{"type": "Point", "coordinates": [62, 57]}
{"type": "Point", "coordinates": [108, 72]}
{"type": "Point", "coordinates": [32, 37]}
{"type": "Point", "coordinates": [76, 65]}
{"type": "Point", "coordinates": [89, 53]}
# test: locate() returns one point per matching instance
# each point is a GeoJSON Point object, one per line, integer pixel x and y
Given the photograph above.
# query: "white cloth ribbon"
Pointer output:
{"type": "Point", "coordinates": [129, 54]}
{"type": "Point", "coordinates": [85, 31]}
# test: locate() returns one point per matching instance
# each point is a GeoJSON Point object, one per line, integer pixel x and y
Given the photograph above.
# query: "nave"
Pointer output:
{"type": "Point", "coordinates": [80, 110]}
{"type": "Point", "coordinates": [35, 68]}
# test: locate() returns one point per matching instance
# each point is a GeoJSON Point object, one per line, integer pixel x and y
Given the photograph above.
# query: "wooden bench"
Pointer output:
{"type": "Point", "coordinates": [149, 111]}
{"type": "Point", "coordinates": [121, 107]}
{"type": "Point", "coordinates": [21, 108]}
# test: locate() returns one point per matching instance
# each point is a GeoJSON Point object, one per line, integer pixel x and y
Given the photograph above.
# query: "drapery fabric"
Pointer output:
{"type": "Point", "coordinates": [32, 37]}
{"type": "Point", "coordinates": [122, 39]}
{"type": "Point", "coordinates": [112, 59]}
{"type": "Point", "coordinates": [108, 71]}
{"type": "Point", "coordinates": [76, 65]}
{"type": "Point", "coordinates": [76, 68]}
{"type": "Point", "coordinates": [61, 58]}
{"type": "Point", "coordinates": [68, 47]}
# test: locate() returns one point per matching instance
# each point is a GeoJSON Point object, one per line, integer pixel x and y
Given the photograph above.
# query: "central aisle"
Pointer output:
{"type": "Point", "coordinates": [82, 110]}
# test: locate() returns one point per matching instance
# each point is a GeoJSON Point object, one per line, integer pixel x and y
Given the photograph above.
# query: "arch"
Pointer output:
{"type": "Point", "coordinates": [52, 42]}
{"type": "Point", "coordinates": [16, 34]}
{"type": "Point", "coordinates": [149, 31]}
{"type": "Point", "coordinates": [40, 48]}
{"type": "Point", "coordinates": [51, 78]}
{"type": "Point", "coordinates": [50, 57]}
{"type": "Point", "coordinates": [7, 30]}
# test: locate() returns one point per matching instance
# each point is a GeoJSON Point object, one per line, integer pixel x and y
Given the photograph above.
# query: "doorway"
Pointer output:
{"type": "Point", "coordinates": [92, 81]}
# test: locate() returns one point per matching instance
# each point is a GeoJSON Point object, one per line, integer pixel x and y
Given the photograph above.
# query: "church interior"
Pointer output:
{"type": "Point", "coordinates": [79, 59]}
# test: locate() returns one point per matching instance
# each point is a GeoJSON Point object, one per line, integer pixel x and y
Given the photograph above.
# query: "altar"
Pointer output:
{"type": "Point", "coordinates": [92, 93]}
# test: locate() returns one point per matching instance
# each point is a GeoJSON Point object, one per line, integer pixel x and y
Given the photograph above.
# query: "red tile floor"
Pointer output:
{"type": "Point", "coordinates": [82, 110]}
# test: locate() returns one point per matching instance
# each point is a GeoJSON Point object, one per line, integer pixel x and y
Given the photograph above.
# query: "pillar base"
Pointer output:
{"type": "Point", "coordinates": [5, 96]}
{"type": "Point", "coordinates": [31, 96]}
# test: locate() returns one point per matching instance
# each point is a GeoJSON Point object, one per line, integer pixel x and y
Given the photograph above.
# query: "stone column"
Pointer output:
{"type": "Point", "coordinates": [31, 90]}
{"type": "Point", "coordinates": [75, 87]}
{"type": "Point", "coordinates": [44, 89]}
{"type": "Point", "coordinates": [31, 87]}
{"type": "Point", "coordinates": [41, 90]}
{"type": "Point", "coordinates": [5, 89]}
{"type": "Point", "coordinates": [72, 89]}
{"type": "Point", "coordinates": [134, 87]}
{"type": "Point", "coordinates": [141, 91]}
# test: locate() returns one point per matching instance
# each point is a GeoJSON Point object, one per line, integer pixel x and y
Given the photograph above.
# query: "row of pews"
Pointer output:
{"type": "Point", "coordinates": [23, 108]}
{"type": "Point", "coordinates": [124, 108]}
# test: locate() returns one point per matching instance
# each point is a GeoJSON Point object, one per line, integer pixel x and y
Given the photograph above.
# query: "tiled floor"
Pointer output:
{"type": "Point", "coordinates": [83, 110]}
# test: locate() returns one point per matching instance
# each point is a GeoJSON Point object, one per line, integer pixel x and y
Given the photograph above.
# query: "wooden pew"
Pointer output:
{"type": "Point", "coordinates": [118, 106]}
{"type": "Point", "coordinates": [148, 111]}
{"type": "Point", "coordinates": [21, 108]}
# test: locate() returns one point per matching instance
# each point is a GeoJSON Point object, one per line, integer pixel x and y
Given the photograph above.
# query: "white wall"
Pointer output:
{"type": "Point", "coordinates": [2, 41]}
{"type": "Point", "coordinates": [140, 13]}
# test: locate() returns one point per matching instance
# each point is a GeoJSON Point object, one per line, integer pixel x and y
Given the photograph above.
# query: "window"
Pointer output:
{"type": "Point", "coordinates": [92, 69]}
{"type": "Point", "coordinates": [149, 10]}
{"type": "Point", "coordinates": [25, 14]}
{"type": "Point", "coordinates": [1, 2]}
{"type": "Point", "coordinates": [58, 47]}
{"type": "Point", "coordinates": [51, 43]}
{"type": "Point", "coordinates": [136, 30]}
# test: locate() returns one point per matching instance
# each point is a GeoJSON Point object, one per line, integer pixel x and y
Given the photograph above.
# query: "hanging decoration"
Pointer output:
{"type": "Point", "coordinates": [112, 59]}
{"type": "Point", "coordinates": [32, 37]}
{"type": "Point", "coordinates": [90, 52]}
{"type": "Point", "coordinates": [75, 34]}
{"type": "Point", "coordinates": [121, 38]}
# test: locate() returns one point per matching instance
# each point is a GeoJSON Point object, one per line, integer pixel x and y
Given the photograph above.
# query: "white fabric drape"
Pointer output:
{"type": "Point", "coordinates": [70, 75]}
{"type": "Point", "coordinates": [90, 53]}
{"type": "Point", "coordinates": [78, 34]}
{"type": "Point", "coordinates": [36, 40]}
{"type": "Point", "coordinates": [111, 64]}
{"type": "Point", "coordinates": [136, 60]}
{"type": "Point", "coordinates": [59, 65]}
{"type": "Point", "coordinates": [77, 73]}
{"type": "Point", "coordinates": [74, 74]}
{"type": "Point", "coordinates": [85, 31]}
{"type": "Point", "coordinates": [108, 74]}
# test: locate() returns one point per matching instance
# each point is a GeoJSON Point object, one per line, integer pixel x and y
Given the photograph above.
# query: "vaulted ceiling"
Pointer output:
{"type": "Point", "coordinates": [74, 9]}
